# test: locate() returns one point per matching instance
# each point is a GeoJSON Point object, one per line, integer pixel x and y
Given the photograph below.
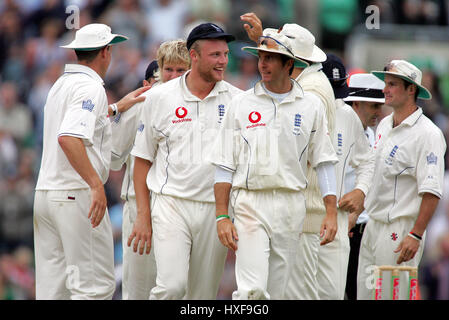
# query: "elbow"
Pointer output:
{"type": "Point", "coordinates": [62, 141]}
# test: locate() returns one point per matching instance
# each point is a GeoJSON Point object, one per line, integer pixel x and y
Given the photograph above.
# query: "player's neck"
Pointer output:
{"type": "Point", "coordinates": [279, 86]}
{"type": "Point", "coordinates": [403, 112]}
{"type": "Point", "coordinates": [198, 86]}
{"type": "Point", "coordinates": [296, 72]}
{"type": "Point", "coordinates": [94, 66]}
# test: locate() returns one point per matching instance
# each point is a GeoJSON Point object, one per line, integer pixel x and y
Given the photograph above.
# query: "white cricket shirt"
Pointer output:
{"type": "Point", "coordinates": [353, 150]}
{"type": "Point", "coordinates": [176, 133]}
{"type": "Point", "coordinates": [267, 144]}
{"type": "Point", "coordinates": [409, 161]}
{"type": "Point", "coordinates": [124, 126]}
{"type": "Point", "coordinates": [350, 176]}
{"type": "Point", "coordinates": [76, 106]}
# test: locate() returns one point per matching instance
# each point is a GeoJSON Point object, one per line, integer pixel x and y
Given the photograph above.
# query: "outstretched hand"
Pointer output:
{"type": "Point", "coordinates": [131, 99]}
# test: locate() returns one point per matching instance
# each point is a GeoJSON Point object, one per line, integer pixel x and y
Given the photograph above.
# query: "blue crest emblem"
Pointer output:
{"type": "Point", "coordinates": [297, 120]}
{"type": "Point", "coordinates": [221, 112]}
{"type": "Point", "coordinates": [88, 105]}
{"type": "Point", "coordinates": [297, 124]}
{"type": "Point", "coordinates": [339, 144]}
{"type": "Point", "coordinates": [432, 158]}
{"type": "Point", "coordinates": [391, 156]}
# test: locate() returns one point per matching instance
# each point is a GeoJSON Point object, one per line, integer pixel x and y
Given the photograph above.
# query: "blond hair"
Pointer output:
{"type": "Point", "coordinates": [174, 51]}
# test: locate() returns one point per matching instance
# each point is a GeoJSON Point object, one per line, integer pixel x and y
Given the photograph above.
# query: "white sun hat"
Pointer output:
{"type": "Point", "coordinates": [303, 43]}
{"type": "Point", "coordinates": [407, 71]}
{"type": "Point", "coordinates": [365, 87]}
{"type": "Point", "coordinates": [94, 36]}
{"type": "Point", "coordinates": [274, 41]}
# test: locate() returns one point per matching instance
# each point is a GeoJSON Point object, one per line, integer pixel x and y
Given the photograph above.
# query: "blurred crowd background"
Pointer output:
{"type": "Point", "coordinates": [31, 60]}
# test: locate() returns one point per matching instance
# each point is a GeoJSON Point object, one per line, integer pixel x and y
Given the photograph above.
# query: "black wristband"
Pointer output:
{"type": "Point", "coordinates": [415, 235]}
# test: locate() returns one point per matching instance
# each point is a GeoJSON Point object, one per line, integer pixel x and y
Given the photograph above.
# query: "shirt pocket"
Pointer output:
{"type": "Point", "coordinates": [397, 161]}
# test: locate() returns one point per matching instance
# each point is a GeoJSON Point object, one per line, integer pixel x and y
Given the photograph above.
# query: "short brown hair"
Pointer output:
{"type": "Point", "coordinates": [87, 56]}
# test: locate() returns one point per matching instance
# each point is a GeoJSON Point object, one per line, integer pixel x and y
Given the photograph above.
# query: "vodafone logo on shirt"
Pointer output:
{"type": "Point", "coordinates": [255, 117]}
{"type": "Point", "coordinates": [181, 114]}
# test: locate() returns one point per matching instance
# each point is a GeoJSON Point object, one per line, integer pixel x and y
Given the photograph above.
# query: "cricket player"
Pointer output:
{"type": "Point", "coordinates": [269, 134]}
{"type": "Point", "coordinates": [407, 182]}
{"type": "Point", "coordinates": [180, 120]}
{"type": "Point", "coordinates": [367, 99]}
{"type": "Point", "coordinates": [319, 223]}
{"type": "Point", "coordinates": [139, 271]}
{"type": "Point", "coordinates": [72, 230]}
{"type": "Point", "coordinates": [353, 151]}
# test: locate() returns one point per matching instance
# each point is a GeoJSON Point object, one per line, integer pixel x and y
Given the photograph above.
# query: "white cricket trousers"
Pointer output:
{"type": "Point", "coordinates": [73, 260]}
{"type": "Point", "coordinates": [333, 260]}
{"type": "Point", "coordinates": [139, 271]}
{"type": "Point", "coordinates": [377, 248]}
{"type": "Point", "coordinates": [303, 282]}
{"type": "Point", "coordinates": [189, 256]}
{"type": "Point", "coordinates": [267, 223]}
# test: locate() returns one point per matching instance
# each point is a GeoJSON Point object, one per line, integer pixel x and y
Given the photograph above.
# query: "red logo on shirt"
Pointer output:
{"type": "Point", "coordinates": [394, 236]}
{"type": "Point", "coordinates": [181, 113]}
{"type": "Point", "coordinates": [254, 117]}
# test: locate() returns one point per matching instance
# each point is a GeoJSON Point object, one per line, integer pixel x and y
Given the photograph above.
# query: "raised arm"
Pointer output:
{"type": "Point", "coordinates": [253, 26]}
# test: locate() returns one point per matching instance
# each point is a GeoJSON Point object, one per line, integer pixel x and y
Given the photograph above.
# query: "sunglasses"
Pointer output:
{"type": "Point", "coordinates": [272, 43]}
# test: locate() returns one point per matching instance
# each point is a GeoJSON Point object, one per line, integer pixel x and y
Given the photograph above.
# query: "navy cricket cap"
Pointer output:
{"type": "Point", "coordinates": [335, 71]}
{"type": "Point", "coordinates": [151, 69]}
{"type": "Point", "coordinates": [208, 31]}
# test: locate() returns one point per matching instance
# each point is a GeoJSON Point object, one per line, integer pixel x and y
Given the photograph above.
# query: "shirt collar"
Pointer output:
{"type": "Point", "coordinates": [296, 92]}
{"type": "Point", "coordinates": [310, 69]}
{"type": "Point", "coordinates": [189, 96]}
{"type": "Point", "coordinates": [79, 68]}
{"type": "Point", "coordinates": [411, 119]}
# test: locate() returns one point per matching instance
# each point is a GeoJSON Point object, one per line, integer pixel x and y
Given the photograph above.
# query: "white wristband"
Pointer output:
{"type": "Point", "coordinates": [222, 218]}
{"type": "Point", "coordinates": [114, 109]}
{"type": "Point", "coordinates": [413, 236]}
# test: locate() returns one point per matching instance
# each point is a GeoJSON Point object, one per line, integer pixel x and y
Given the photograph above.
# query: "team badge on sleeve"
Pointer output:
{"type": "Point", "coordinates": [432, 158]}
{"type": "Point", "coordinates": [88, 105]}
